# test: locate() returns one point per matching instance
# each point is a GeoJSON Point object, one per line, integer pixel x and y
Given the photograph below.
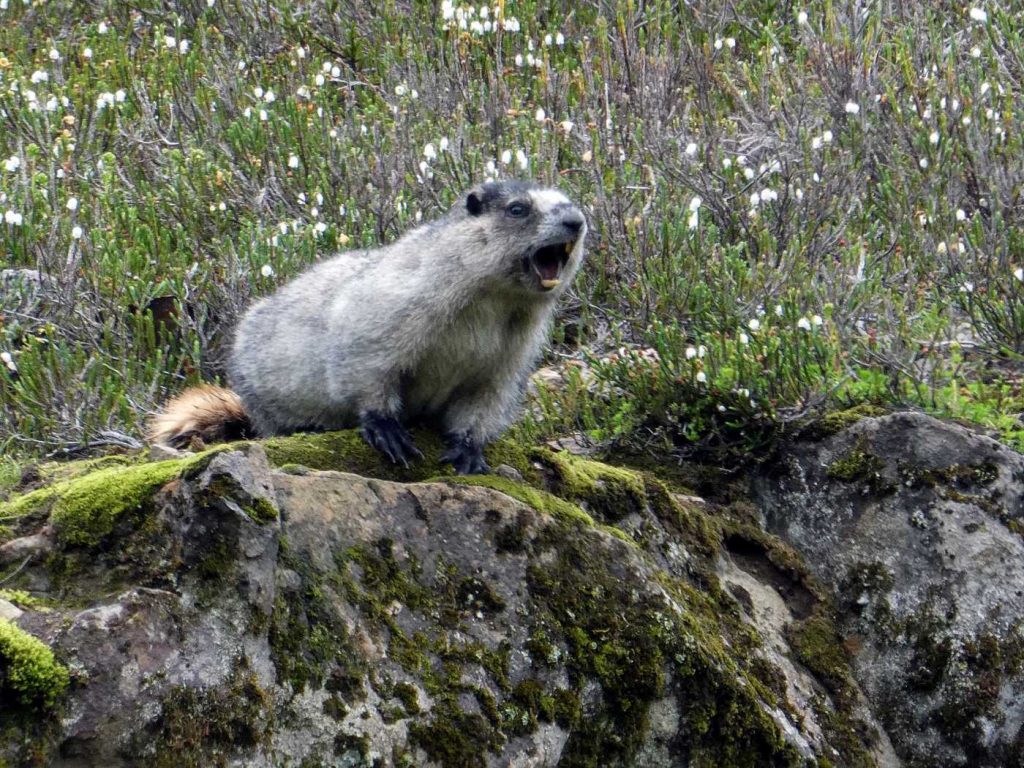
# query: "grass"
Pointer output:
{"type": "Point", "coordinates": [793, 206]}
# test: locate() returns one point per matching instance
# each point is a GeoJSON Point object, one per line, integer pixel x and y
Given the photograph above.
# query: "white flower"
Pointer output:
{"type": "Point", "coordinates": [755, 199]}
{"type": "Point", "coordinates": [768, 195]}
{"type": "Point", "coordinates": [695, 202]}
{"type": "Point", "coordinates": [693, 219]}
{"type": "Point", "coordinates": [1019, 273]}
{"type": "Point", "coordinates": [718, 43]}
{"type": "Point", "coordinates": [815, 143]}
{"type": "Point", "coordinates": [293, 161]}
{"type": "Point", "coordinates": [978, 14]}
{"type": "Point", "coordinates": [941, 248]}
{"type": "Point", "coordinates": [826, 136]}
{"type": "Point", "coordinates": [76, 232]}
{"type": "Point", "coordinates": [559, 39]}
{"type": "Point", "coordinates": [183, 46]}
{"type": "Point", "coordinates": [320, 228]}
{"type": "Point", "coordinates": [319, 79]}
{"type": "Point", "coordinates": [566, 126]}
{"type": "Point", "coordinates": [540, 115]}
{"type": "Point", "coordinates": [521, 159]}
{"type": "Point", "coordinates": [804, 324]}
{"type": "Point", "coordinates": [691, 352]}
{"type": "Point", "coordinates": [730, 42]}
{"type": "Point", "coordinates": [691, 149]}
{"type": "Point", "coordinates": [506, 157]}
{"type": "Point", "coordinates": [54, 54]}
{"type": "Point", "coordinates": [701, 350]}
{"type": "Point", "coordinates": [336, 73]}
{"type": "Point", "coordinates": [8, 360]}
{"type": "Point", "coordinates": [744, 339]}
{"type": "Point", "coordinates": [967, 287]}
{"type": "Point", "coordinates": [748, 173]}
{"type": "Point", "coordinates": [429, 152]}
{"type": "Point", "coordinates": [727, 163]}
{"type": "Point", "coordinates": [701, 377]}
{"type": "Point", "coordinates": [270, 97]}
{"type": "Point", "coordinates": [400, 90]}
{"type": "Point", "coordinates": [443, 144]}
{"type": "Point", "coordinates": [169, 41]}
{"type": "Point", "coordinates": [87, 53]}
{"type": "Point", "coordinates": [923, 162]}
{"type": "Point", "coordinates": [120, 95]}
{"type": "Point", "coordinates": [40, 76]}
{"type": "Point", "coordinates": [816, 320]}
{"type": "Point", "coordinates": [548, 39]}
{"type": "Point", "coordinates": [961, 215]}
{"type": "Point", "coordinates": [754, 324]}
{"type": "Point", "coordinates": [263, 115]}
{"type": "Point", "coordinates": [13, 217]}
{"type": "Point", "coordinates": [12, 163]}
{"type": "Point", "coordinates": [102, 28]}
{"type": "Point", "coordinates": [490, 168]}
{"type": "Point", "coordinates": [519, 59]}
{"type": "Point", "coordinates": [72, 203]}
{"type": "Point", "coordinates": [267, 271]}
{"type": "Point", "coordinates": [852, 108]}
{"type": "Point", "coordinates": [801, 18]}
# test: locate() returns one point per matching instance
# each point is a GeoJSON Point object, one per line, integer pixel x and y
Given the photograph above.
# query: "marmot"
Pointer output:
{"type": "Point", "coordinates": [441, 327]}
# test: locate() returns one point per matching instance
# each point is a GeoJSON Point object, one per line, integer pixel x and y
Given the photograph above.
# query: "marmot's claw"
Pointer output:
{"type": "Point", "coordinates": [466, 456]}
{"type": "Point", "coordinates": [387, 435]}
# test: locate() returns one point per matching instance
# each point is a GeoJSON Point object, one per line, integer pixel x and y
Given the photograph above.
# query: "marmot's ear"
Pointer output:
{"type": "Point", "coordinates": [475, 203]}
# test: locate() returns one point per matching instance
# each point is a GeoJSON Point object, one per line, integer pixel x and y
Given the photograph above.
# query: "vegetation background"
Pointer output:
{"type": "Point", "coordinates": [794, 206]}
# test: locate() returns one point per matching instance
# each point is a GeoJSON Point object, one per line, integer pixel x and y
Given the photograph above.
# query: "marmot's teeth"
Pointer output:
{"type": "Point", "coordinates": [550, 283]}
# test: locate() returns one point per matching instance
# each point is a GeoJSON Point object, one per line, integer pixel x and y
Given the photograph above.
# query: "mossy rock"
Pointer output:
{"type": "Point", "coordinates": [86, 508]}
{"type": "Point", "coordinates": [30, 676]}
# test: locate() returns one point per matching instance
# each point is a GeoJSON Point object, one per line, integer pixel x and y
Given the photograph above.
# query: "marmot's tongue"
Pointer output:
{"type": "Point", "coordinates": [548, 269]}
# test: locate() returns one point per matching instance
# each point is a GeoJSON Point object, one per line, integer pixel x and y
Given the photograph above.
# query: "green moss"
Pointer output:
{"type": "Point", "coordinates": [455, 738]}
{"type": "Point", "coordinates": [85, 509]}
{"type": "Point", "coordinates": [858, 465]}
{"type": "Point", "coordinates": [309, 641]}
{"type": "Point", "coordinates": [819, 648]}
{"type": "Point", "coordinates": [628, 643]}
{"type": "Point", "coordinates": [835, 422]}
{"type": "Point", "coordinates": [542, 501]}
{"type": "Point", "coordinates": [201, 727]}
{"type": "Point", "coordinates": [346, 451]}
{"type": "Point", "coordinates": [29, 674]}
{"type": "Point", "coordinates": [407, 694]}
{"type": "Point", "coordinates": [24, 599]}
{"type": "Point", "coordinates": [608, 492]}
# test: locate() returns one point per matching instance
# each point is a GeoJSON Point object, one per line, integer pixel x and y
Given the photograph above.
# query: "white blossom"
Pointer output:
{"type": "Point", "coordinates": [76, 232]}
{"type": "Point", "coordinates": [801, 18]}
{"type": "Point", "coordinates": [754, 324]}
{"type": "Point", "coordinates": [978, 14]}
{"type": "Point", "coordinates": [702, 377]}
{"type": "Point", "coordinates": [72, 204]}
{"type": "Point", "coordinates": [852, 108]}
{"type": "Point", "coordinates": [804, 324]}
{"type": "Point", "coordinates": [691, 149]}
{"type": "Point", "coordinates": [429, 152]}
{"type": "Point", "coordinates": [540, 115]}
{"type": "Point", "coordinates": [12, 163]}
{"type": "Point", "coordinates": [266, 270]}
{"type": "Point", "coordinates": [293, 161]}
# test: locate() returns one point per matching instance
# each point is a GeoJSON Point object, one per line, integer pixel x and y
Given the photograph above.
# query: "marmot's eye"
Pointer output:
{"type": "Point", "coordinates": [517, 210]}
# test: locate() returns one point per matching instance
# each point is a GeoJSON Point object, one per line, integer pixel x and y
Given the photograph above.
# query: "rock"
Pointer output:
{"type": "Point", "coordinates": [918, 528]}
{"type": "Point", "coordinates": [219, 611]}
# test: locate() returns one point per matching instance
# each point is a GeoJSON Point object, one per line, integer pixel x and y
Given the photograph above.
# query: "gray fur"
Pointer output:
{"type": "Point", "coordinates": [443, 325]}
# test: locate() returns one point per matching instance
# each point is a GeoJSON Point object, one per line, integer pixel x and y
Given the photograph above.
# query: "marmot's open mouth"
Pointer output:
{"type": "Point", "coordinates": [549, 261]}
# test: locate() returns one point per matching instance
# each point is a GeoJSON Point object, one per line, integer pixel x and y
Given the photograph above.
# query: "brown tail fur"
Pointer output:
{"type": "Point", "coordinates": [206, 412]}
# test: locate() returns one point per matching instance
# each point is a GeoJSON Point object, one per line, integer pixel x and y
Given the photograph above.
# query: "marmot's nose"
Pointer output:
{"type": "Point", "coordinates": [573, 222]}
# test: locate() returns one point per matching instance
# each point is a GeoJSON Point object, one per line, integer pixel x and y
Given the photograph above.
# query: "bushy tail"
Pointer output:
{"type": "Point", "coordinates": [211, 414]}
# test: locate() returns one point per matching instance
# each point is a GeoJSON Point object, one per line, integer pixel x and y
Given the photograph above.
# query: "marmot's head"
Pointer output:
{"type": "Point", "coordinates": [537, 233]}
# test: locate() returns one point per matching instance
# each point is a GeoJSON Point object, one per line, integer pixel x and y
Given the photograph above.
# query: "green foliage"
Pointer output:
{"type": "Point", "coordinates": [740, 166]}
{"type": "Point", "coordinates": [29, 675]}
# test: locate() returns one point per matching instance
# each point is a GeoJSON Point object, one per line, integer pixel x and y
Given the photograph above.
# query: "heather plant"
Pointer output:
{"type": "Point", "coordinates": [792, 207]}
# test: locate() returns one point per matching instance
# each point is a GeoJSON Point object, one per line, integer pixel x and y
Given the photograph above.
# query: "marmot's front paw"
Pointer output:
{"type": "Point", "coordinates": [465, 455]}
{"type": "Point", "coordinates": [387, 435]}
